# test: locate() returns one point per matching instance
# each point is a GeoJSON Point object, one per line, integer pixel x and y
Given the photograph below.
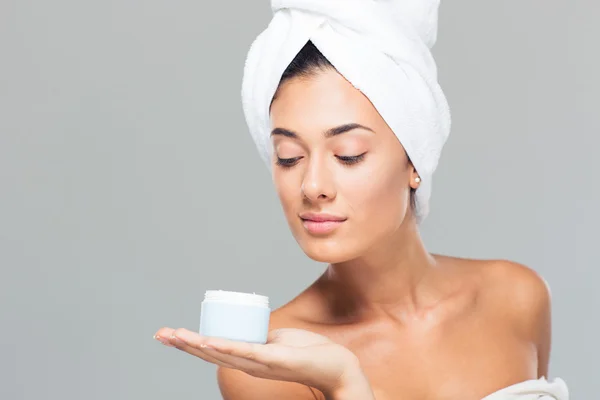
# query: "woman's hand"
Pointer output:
{"type": "Point", "coordinates": [292, 355]}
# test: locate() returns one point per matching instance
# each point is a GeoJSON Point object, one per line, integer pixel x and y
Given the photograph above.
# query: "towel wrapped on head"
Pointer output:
{"type": "Point", "coordinates": [382, 47]}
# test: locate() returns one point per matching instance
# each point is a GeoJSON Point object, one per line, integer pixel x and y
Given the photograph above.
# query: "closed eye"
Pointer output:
{"type": "Point", "coordinates": [346, 160]}
{"type": "Point", "coordinates": [287, 162]}
{"type": "Point", "coordinates": [350, 160]}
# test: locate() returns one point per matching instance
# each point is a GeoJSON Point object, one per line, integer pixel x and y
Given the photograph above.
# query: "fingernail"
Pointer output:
{"type": "Point", "coordinates": [162, 340]}
{"type": "Point", "coordinates": [206, 346]}
{"type": "Point", "coordinates": [176, 341]}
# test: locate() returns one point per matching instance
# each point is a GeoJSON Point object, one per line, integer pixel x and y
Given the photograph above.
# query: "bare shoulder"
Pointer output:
{"type": "Point", "coordinates": [515, 283]}
{"type": "Point", "coordinates": [238, 385]}
{"type": "Point", "coordinates": [520, 293]}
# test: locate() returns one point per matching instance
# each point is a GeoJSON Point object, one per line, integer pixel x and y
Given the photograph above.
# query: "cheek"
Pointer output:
{"type": "Point", "coordinates": [377, 198]}
{"type": "Point", "coordinates": [287, 189]}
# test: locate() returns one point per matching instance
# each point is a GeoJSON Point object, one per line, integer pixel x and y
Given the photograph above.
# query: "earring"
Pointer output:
{"type": "Point", "coordinates": [417, 179]}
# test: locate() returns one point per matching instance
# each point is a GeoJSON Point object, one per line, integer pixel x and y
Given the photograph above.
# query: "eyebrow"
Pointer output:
{"type": "Point", "coordinates": [338, 130]}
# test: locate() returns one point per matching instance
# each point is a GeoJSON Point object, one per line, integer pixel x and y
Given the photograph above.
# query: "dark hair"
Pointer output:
{"type": "Point", "coordinates": [308, 62]}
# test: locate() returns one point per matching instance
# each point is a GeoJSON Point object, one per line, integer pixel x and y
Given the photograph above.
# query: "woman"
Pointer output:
{"type": "Point", "coordinates": [387, 319]}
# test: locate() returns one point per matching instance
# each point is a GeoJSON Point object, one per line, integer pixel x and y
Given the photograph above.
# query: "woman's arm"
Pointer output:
{"type": "Point", "coordinates": [531, 307]}
{"type": "Point", "coordinates": [541, 322]}
{"type": "Point", "coordinates": [533, 294]}
{"type": "Point", "coordinates": [353, 386]}
{"type": "Point", "coordinates": [290, 355]}
{"type": "Point", "coordinates": [237, 385]}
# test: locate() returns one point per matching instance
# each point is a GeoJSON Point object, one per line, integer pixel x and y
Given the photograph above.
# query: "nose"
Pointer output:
{"type": "Point", "coordinates": [318, 184]}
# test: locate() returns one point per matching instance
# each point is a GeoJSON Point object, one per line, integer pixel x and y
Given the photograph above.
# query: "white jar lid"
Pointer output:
{"type": "Point", "coordinates": [224, 296]}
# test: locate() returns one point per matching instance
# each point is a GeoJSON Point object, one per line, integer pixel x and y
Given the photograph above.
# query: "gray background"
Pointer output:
{"type": "Point", "coordinates": [129, 183]}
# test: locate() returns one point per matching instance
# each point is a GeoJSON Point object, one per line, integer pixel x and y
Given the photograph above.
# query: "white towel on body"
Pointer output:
{"type": "Point", "coordinates": [535, 389]}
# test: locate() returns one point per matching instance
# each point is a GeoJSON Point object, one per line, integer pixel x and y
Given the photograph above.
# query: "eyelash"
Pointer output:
{"type": "Point", "coordinates": [287, 162]}
{"type": "Point", "coordinates": [350, 160]}
{"type": "Point", "coordinates": [347, 160]}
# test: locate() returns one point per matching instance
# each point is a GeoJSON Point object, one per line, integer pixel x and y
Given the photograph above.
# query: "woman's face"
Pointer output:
{"type": "Point", "coordinates": [335, 158]}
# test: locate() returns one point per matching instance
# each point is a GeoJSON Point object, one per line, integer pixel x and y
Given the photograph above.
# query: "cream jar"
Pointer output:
{"type": "Point", "coordinates": [235, 316]}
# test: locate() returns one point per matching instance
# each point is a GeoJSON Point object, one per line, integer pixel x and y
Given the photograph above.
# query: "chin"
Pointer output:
{"type": "Point", "coordinates": [329, 251]}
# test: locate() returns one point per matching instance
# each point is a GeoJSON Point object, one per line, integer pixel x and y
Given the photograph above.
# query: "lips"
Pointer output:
{"type": "Point", "coordinates": [321, 223]}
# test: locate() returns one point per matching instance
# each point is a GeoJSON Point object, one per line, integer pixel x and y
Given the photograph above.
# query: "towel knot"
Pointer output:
{"type": "Point", "coordinates": [417, 17]}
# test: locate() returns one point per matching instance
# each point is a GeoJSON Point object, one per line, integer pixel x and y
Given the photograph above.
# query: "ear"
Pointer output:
{"type": "Point", "coordinates": [415, 179]}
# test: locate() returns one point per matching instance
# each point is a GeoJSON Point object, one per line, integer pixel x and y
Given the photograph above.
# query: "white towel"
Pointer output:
{"type": "Point", "coordinates": [382, 47]}
{"type": "Point", "coordinates": [535, 389]}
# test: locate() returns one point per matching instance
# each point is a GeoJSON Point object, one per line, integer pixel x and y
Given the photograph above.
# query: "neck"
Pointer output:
{"type": "Point", "coordinates": [392, 278]}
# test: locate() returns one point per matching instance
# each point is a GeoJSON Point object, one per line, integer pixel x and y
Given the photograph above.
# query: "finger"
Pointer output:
{"type": "Point", "coordinates": [174, 341]}
{"type": "Point", "coordinates": [242, 355]}
{"type": "Point", "coordinates": [163, 334]}
{"type": "Point", "coordinates": [207, 348]}
{"type": "Point", "coordinates": [270, 356]}
{"type": "Point", "coordinates": [243, 364]}
{"type": "Point", "coordinates": [205, 356]}
{"type": "Point", "coordinates": [249, 351]}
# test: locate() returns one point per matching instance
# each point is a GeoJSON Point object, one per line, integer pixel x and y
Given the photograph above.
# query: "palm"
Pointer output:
{"type": "Point", "coordinates": [294, 355]}
{"type": "Point", "coordinates": [296, 338]}
{"type": "Point", "coordinates": [301, 355]}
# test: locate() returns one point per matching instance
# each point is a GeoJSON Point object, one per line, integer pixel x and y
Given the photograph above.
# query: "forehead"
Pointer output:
{"type": "Point", "coordinates": [321, 101]}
